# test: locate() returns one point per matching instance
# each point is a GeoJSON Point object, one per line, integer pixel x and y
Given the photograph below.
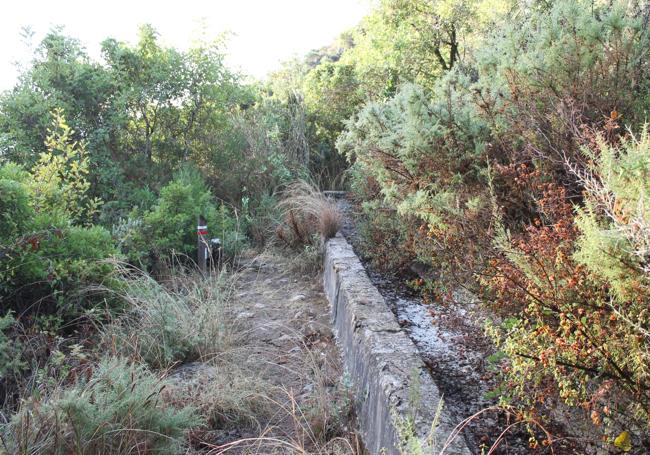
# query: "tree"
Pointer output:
{"type": "Point", "coordinates": [140, 115]}
{"type": "Point", "coordinates": [416, 40]}
{"type": "Point", "coordinates": [61, 76]}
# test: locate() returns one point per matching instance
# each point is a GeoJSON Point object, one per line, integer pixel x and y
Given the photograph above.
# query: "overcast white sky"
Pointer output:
{"type": "Point", "coordinates": [266, 32]}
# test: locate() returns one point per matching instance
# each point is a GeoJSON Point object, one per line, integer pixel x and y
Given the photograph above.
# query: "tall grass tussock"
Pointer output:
{"type": "Point", "coordinates": [308, 212]}
{"type": "Point", "coordinates": [181, 321]}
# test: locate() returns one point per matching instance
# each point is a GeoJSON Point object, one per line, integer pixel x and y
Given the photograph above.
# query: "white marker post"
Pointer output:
{"type": "Point", "coordinates": [203, 249]}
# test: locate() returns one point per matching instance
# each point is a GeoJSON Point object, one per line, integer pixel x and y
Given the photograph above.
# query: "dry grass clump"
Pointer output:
{"type": "Point", "coordinates": [181, 321]}
{"type": "Point", "coordinates": [317, 419]}
{"type": "Point", "coordinates": [301, 437]}
{"type": "Point", "coordinates": [224, 394]}
{"type": "Point", "coordinates": [307, 213]}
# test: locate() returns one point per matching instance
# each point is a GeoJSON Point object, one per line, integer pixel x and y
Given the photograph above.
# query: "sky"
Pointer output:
{"type": "Point", "coordinates": [262, 33]}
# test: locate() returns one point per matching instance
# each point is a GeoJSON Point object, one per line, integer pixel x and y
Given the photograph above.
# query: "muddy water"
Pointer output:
{"type": "Point", "coordinates": [450, 340]}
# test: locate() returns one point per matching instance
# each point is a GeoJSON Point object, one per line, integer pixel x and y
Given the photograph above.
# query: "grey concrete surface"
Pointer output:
{"type": "Point", "coordinates": [392, 385]}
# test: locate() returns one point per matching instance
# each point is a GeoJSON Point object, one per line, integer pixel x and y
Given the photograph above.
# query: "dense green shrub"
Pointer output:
{"type": "Point", "coordinates": [171, 224]}
{"type": "Point", "coordinates": [132, 203]}
{"type": "Point", "coordinates": [427, 157]}
{"type": "Point", "coordinates": [53, 265]}
{"type": "Point", "coordinates": [615, 222]}
{"type": "Point", "coordinates": [128, 237]}
{"type": "Point", "coordinates": [75, 260]}
{"type": "Point", "coordinates": [332, 95]}
{"type": "Point", "coordinates": [422, 153]}
{"type": "Point", "coordinates": [14, 208]}
{"type": "Point", "coordinates": [114, 408]}
{"type": "Point", "coordinates": [46, 261]}
{"type": "Point", "coordinates": [142, 111]}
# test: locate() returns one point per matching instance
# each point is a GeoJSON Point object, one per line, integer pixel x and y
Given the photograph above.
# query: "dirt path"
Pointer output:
{"type": "Point", "coordinates": [286, 317]}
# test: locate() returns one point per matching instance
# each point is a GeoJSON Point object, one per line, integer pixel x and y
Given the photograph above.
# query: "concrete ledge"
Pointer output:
{"type": "Point", "coordinates": [392, 384]}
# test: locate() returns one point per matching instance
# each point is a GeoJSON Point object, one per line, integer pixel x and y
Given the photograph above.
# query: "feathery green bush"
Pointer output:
{"type": "Point", "coordinates": [113, 408]}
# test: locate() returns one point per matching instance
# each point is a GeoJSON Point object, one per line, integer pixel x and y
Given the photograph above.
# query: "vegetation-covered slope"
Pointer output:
{"type": "Point", "coordinates": [502, 144]}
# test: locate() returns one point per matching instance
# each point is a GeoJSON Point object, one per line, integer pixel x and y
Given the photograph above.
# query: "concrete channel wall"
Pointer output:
{"type": "Point", "coordinates": [392, 384]}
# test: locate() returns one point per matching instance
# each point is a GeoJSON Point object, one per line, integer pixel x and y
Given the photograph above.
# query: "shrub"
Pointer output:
{"type": "Point", "coordinates": [383, 237]}
{"type": "Point", "coordinates": [262, 219]}
{"type": "Point", "coordinates": [427, 155]}
{"type": "Point", "coordinates": [614, 248]}
{"type": "Point", "coordinates": [128, 235]}
{"type": "Point", "coordinates": [558, 69]}
{"type": "Point", "coordinates": [172, 222]}
{"type": "Point", "coordinates": [13, 171]}
{"type": "Point", "coordinates": [46, 257]}
{"type": "Point", "coordinates": [422, 153]}
{"type": "Point", "coordinates": [571, 284]}
{"type": "Point", "coordinates": [53, 265]}
{"type": "Point", "coordinates": [15, 211]}
{"type": "Point", "coordinates": [79, 260]}
{"type": "Point", "coordinates": [614, 224]}
{"type": "Point", "coordinates": [60, 183]}
{"type": "Point", "coordinates": [132, 202]}
{"type": "Point", "coordinates": [574, 291]}
{"type": "Point", "coordinates": [168, 325]}
{"type": "Point", "coordinates": [113, 408]}
{"type": "Point", "coordinates": [48, 266]}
